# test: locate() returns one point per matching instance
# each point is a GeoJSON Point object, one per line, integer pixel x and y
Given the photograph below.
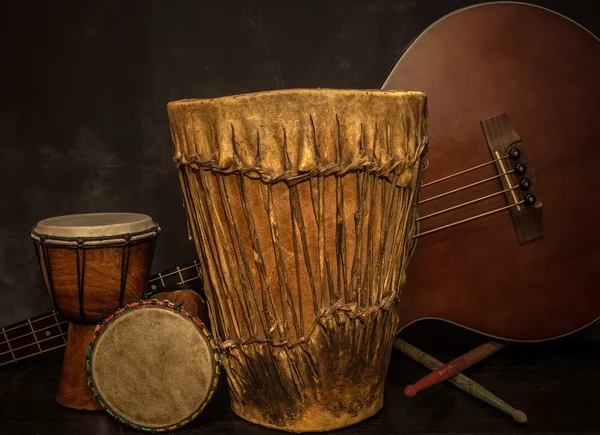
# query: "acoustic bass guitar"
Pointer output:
{"type": "Point", "coordinates": [507, 236]}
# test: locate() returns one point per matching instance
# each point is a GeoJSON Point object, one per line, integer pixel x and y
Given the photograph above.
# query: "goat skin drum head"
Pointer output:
{"type": "Point", "coordinates": [153, 366]}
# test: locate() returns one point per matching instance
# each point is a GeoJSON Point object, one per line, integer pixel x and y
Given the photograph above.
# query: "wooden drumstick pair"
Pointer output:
{"type": "Point", "coordinates": [451, 372]}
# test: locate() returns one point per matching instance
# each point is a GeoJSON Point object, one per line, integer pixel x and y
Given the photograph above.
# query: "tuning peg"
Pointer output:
{"type": "Point", "coordinates": [525, 184]}
{"type": "Point", "coordinates": [520, 169]}
{"type": "Point", "coordinates": [514, 153]}
{"type": "Point", "coordinates": [530, 199]}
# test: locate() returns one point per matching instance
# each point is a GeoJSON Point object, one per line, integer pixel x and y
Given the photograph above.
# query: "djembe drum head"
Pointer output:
{"type": "Point", "coordinates": [153, 365]}
{"type": "Point", "coordinates": [90, 225]}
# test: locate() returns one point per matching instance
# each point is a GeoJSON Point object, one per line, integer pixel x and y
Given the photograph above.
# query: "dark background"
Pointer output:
{"type": "Point", "coordinates": [83, 124]}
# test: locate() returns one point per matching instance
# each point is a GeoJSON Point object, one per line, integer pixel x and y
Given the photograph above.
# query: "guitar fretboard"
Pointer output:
{"type": "Point", "coordinates": [32, 337]}
{"type": "Point", "coordinates": [47, 332]}
{"type": "Point", "coordinates": [186, 276]}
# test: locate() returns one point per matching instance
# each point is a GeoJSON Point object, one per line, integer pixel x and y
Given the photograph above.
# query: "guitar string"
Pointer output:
{"type": "Point", "coordinates": [473, 201]}
{"type": "Point", "coordinates": [464, 171]}
{"type": "Point", "coordinates": [510, 189]}
{"type": "Point", "coordinates": [33, 321]}
{"type": "Point", "coordinates": [54, 325]}
{"type": "Point", "coordinates": [175, 271]}
{"type": "Point", "coordinates": [30, 355]}
{"type": "Point", "coordinates": [14, 349]}
{"type": "Point", "coordinates": [468, 186]}
{"type": "Point", "coordinates": [55, 315]}
{"type": "Point", "coordinates": [443, 227]}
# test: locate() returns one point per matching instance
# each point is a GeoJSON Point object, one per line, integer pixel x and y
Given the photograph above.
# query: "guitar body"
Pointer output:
{"type": "Point", "coordinates": [543, 71]}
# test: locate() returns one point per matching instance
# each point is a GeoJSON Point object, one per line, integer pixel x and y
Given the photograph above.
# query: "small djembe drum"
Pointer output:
{"type": "Point", "coordinates": [92, 264]}
{"type": "Point", "coordinates": [153, 365]}
{"type": "Point", "coordinates": [302, 204]}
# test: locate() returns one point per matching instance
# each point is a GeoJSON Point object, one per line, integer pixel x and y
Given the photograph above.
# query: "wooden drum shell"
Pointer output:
{"type": "Point", "coordinates": [112, 277]}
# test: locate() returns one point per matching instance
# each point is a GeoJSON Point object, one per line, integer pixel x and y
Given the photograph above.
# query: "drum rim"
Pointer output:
{"type": "Point", "coordinates": [122, 239]}
{"type": "Point", "coordinates": [216, 362]}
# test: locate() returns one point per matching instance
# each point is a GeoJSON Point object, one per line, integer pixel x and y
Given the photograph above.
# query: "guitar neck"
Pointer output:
{"type": "Point", "coordinates": [33, 336]}
{"type": "Point", "coordinates": [188, 276]}
{"type": "Point", "coordinates": [47, 332]}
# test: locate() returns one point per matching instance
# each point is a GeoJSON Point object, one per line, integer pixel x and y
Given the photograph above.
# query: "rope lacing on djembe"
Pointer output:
{"type": "Point", "coordinates": [349, 309]}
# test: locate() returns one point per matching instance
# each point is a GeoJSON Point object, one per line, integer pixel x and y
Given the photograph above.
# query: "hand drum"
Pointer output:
{"type": "Point", "coordinates": [153, 365]}
{"type": "Point", "coordinates": [91, 264]}
{"type": "Point", "coordinates": [302, 204]}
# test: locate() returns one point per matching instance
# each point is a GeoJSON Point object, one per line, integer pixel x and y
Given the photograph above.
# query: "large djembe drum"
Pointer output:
{"type": "Point", "coordinates": [302, 204]}
{"type": "Point", "coordinates": [92, 264]}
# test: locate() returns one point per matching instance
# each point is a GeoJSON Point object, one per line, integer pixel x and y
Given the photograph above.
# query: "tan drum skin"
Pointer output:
{"type": "Point", "coordinates": [153, 365]}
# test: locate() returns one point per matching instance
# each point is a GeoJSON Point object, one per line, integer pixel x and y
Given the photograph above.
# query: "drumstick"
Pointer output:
{"type": "Point", "coordinates": [461, 381]}
{"type": "Point", "coordinates": [454, 367]}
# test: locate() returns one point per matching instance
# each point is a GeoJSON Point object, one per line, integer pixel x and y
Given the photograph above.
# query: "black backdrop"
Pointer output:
{"type": "Point", "coordinates": [83, 124]}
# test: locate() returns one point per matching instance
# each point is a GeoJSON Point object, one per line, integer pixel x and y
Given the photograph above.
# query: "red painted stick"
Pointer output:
{"type": "Point", "coordinates": [466, 384]}
{"type": "Point", "coordinates": [454, 367]}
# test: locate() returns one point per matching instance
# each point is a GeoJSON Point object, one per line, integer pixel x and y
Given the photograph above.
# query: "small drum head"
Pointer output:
{"type": "Point", "coordinates": [94, 225]}
{"type": "Point", "coordinates": [153, 366]}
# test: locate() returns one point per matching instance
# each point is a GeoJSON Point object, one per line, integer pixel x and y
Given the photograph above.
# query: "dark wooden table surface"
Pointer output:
{"type": "Point", "coordinates": [557, 384]}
